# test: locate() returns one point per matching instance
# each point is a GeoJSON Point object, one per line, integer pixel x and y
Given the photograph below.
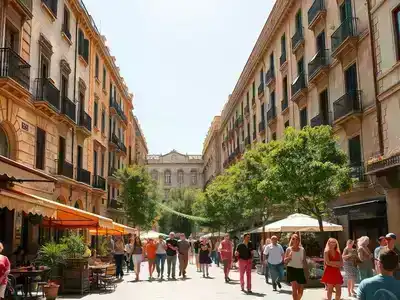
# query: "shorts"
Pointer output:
{"type": "Point", "coordinates": [137, 258]}
{"type": "Point", "coordinates": [2, 290]}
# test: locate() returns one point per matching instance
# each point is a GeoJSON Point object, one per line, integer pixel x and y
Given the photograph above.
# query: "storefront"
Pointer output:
{"type": "Point", "coordinates": [365, 218]}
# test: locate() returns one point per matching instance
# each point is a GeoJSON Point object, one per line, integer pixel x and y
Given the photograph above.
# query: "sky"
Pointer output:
{"type": "Point", "coordinates": [181, 59]}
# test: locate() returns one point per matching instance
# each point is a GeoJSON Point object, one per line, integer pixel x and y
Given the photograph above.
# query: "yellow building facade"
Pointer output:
{"type": "Point", "coordinates": [65, 111]}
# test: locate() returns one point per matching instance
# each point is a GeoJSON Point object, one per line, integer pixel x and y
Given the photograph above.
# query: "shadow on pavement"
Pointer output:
{"type": "Point", "coordinates": [287, 292]}
{"type": "Point", "coordinates": [259, 295]}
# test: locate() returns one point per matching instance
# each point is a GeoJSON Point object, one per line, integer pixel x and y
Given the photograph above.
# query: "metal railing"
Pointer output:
{"type": "Point", "coordinates": [345, 30]}
{"type": "Point", "coordinates": [299, 83]}
{"type": "Point", "coordinates": [269, 76]}
{"type": "Point", "coordinates": [26, 3]}
{"type": "Point", "coordinates": [261, 126]}
{"type": "Point", "coordinates": [112, 171]}
{"type": "Point", "coordinates": [321, 119]}
{"type": "Point", "coordinates": [347, 104]}
{"type": "Point", "coordinates": [282, 59]}
{"type": "Point", "coordinates": [246, 109]}
{"type": "Point", "coordinates": [253, 101]}
{"type": "Point", "coordinates": [83, 175]}
{"type": "Point", "coordinates": [115, 204]}
{"type": "Point", "coordinates": [297, 38]}
{"type": "Point", "coordinates": [271, 113]}
{"type": "Point", "coordinates": [85, 121]}
{"type": "Point", "coordinates": [65, 169]}
{"type": "Point", "coordinates": [239, 121]}
{"type": "Point", "coordinates": [254, 135]}
{"type": "Point", "coordinates": [284, 104]}
{"type": "Point", "coordinates": [114, 139]}
{"type": "Point", "coordinates": [357, 171]}
{"type": "Point", "coordinates": [68, 108]}
{"type": "Point", "coordinates": [47, 91]}
{"type": "Point", "coordinates": [114, 104]}
{"type": "Point", "coordinates": [320, 60]}
{"type": "Point", "coordinates": [122, 146]}
{"type": "Point", "coordinates": [247, 140]}
{"type": "Point", "coordinates": [99, 182]}
{"type": "Point", "coordinates": [315, 9]}
{"type": "Point", "coordinates": [13, 66]}
{"type": "Point", "coordinates": [261, 89]}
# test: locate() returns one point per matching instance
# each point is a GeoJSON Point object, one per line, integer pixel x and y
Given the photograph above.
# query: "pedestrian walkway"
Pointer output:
{"type": "Point", "coordinates": [195, 287]}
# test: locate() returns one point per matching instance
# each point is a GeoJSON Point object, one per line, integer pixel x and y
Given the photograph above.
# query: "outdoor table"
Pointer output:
{"type": "Point", "coordinates": [28, 274]}
{"type": "Point", "coordinates": [97, 270]}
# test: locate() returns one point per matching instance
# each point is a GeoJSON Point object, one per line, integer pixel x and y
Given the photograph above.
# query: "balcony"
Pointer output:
{"type": "Point", "coordinates": [122, 147]}
{"type": "Point", "coordinates": [270, 77]}
{"type": "Point", "coordinates": [83, 176]}
{"type": "Point", "coordinates": [261, 127]}
{"type": "Point", "coordinates": [66, 32]}
{"type": "Point", "coordinates": [271, 115]}
{"type": "Point", "coordinates": [85, 124]}
{"type": "Point", "coordinates": [321, 119]}
{"type": "Point", "coordinates": [115, 109]}
{"type": "Point", "coordinates": [357, 171]}
{"type": "Point", "coordinates": [112, 172]}
{"type": "Point", "coordinates": [384, 165]}
{"type": "Point", "coordinates": [99, 182]}
{"type": "Point", "coordinates": [115, 204]}
{"type": "Point", "coordinates": [284, 105]}
{"type": "Point", "coordinates": [299, 88]}
{"type": "Point", "coordinates": [231, 134]}
{"type": "Point", "coordinates": [23, 8]}
{"type": "Point", "coordinates": [282, 60]}
{"type": "Point", "coordinates": [239, 121]}
{"type": "Point", "coordinates": [65, 169]}
{"type": "Point", "coordinates": [318, 67]}
{"type": "Point", "coordinates": [114, 141]}
{"type": "Point", "coordinates": [253, 101]}
{"type": "Point", "coordinates": [47, 97]}
{"type": "Point", "coordinates": [261, 90]}
{"type": "Point", "coordinates": [68, 112]}
{"type": "Point", "coordinates": [316, 14]}
{"type": "Point", "coordinates": [297, 40]}
{"type": "Point", "coordinates": [347, 107]}
{"type": "Point", "coordinates": [344, 39]}
{"type": "Point", "coordinates": [246, 110]}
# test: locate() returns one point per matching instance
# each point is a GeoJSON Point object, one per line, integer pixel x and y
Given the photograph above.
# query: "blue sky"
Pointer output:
{"type": "Point", "coordinates": [181, 59]}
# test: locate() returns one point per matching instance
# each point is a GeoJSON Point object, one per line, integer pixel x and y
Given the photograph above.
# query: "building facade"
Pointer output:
{"type": "Point", "coordinates": [312, 65]}
{"type": "Point", "coordinates": [66, 113]}
{"type": "Point", "coordinates": [176, 170]}
{"type": "Point", "coordinates": [211, 153]}
{"type": "Point", "coordinates": [141, 150]}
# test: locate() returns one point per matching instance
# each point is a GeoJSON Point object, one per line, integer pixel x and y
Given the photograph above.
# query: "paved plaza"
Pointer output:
{"type": "Point", "coordinates": [195, 288]}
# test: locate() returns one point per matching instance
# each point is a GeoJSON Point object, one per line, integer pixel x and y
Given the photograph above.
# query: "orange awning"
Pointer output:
{"type": "Point", "coordinates": [119, 229]}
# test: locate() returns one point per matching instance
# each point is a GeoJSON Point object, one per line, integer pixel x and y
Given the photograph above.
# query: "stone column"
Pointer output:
{"type": "Point", "coordinates": [393, 210]}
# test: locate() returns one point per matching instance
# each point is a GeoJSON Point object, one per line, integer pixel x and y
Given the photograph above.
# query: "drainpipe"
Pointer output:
{"type": "Point", "coordinates": [375, 72]}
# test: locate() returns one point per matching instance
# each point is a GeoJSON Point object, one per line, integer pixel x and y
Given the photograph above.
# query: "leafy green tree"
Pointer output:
{"type": "Point", "coordinates": [309, 169]}
{"type": "Point", "coordinates": [139, 195]}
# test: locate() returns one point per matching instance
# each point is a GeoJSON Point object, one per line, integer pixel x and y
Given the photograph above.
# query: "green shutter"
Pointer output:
{"type": "Point", "coordinates": [81, 39]}
{"type": "Point", "coordinates": [86, 50]}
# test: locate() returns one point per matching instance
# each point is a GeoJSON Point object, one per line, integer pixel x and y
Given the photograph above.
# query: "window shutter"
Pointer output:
{"type": "Point", "coordinates": [95, 113]}
{"type": "Point", "coordinates": [86, 50]}
{"type": "Point", "coordinates": [40, 148]}
{"type": "Point", "coordinates": [81, 39]}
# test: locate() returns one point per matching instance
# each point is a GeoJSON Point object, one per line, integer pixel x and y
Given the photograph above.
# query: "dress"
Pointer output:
{"type": "Point", "coordinates": [350, 264]}
{"type": "Point", "coordinates": [204, 254]}
{"type": "Point", "coordinates": [332, 275]}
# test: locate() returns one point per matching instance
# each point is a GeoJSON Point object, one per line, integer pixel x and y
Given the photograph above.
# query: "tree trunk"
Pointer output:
{"type": "Point", "coordinates": [321, 226]}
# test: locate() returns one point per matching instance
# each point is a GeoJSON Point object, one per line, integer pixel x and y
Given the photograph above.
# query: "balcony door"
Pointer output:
{"type": "Point", "coordinates": [61, 153]}
{"type": "Point", "coordinates": [355, 156]}
{"type": "Point", "coordinates": [345, 10]}
{"type": "Point", "coordinates": [12, 39]}
{"type": "Point", "coordinates": [351, 86]}
{"type": "Point", "coordinates": [300, 66]}
{"type": "Point", "coordinates": [95, 162]}
{"type": "Point", "coordinates": [298, 22]}
{"type": "Point", "coordinates": [321, 41]}
{"type": "Point", "coordinates": [79, 161]}
{"type": "Point", "coordinates": [324, 107]}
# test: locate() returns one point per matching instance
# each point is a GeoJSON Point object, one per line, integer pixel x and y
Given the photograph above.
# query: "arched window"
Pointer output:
{"type": "Point", "coordinates": [77, 204]}
{"type": "Point", "coordinates": [180, 177]}
{"type": "Point", "coordinates": [193, 175]}
{"type": "Point", "coordinates": [4, 144]}
{"type": "Point", "coordinates": [154, 175]}
{"type": "Point", "coordinates": [167, 177]}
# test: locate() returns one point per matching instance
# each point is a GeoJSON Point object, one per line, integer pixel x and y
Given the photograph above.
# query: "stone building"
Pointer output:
{"type": "Point", "coordinates": [211, 153]}
{"type": "Point", "coordinates": [65, 115]}
{"type": "Point", "coordinates": [176, 170]}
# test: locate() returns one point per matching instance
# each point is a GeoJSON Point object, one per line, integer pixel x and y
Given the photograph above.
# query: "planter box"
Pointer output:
{"type": "Point", "coordinates": [76, 276]}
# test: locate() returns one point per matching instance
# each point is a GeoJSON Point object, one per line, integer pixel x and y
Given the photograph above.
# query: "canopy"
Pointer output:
{"type": "Point", "coordinates": [118, 229]}
{"type": "Point", "coordinates": [214, 234]}
{"type": "Point", "coordinates": [298, 222]}
{"type": "Point", "coordinates": [151, 234]}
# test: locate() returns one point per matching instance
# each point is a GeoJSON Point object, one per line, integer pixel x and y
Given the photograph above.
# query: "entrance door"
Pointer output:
{"type": "Point", "coordinates": [324, 107]}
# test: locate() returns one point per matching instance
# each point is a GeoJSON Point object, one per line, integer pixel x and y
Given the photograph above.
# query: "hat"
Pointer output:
{"type": "Point", "coordinates": [381, 238]}
{"type": "Point", "coordinates": [391, 236]}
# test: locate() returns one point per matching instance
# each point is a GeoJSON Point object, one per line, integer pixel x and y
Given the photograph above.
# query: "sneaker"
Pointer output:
{"type": "Point", "coordinates": [274, 286]}
{"type": "Point", "coordinates": [180, 273]}
{"type": "Point", "coordinates": [226, 280]}
{"type": "Point", "coordinates": [249, 292]}
{"type": "Point", "coordinates": [242, 289]}
{"type": "Point", "coordinates": [279, 285]}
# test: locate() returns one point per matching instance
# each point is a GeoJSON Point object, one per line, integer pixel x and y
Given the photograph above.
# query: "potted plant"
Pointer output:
{"type": "Point", "coordinates": [51, 255]}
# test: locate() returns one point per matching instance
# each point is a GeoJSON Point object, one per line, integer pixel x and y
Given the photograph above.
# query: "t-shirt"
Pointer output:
{"type": "Point", "coordinates": [274, 253]}
{"type": "Point", "coordinates": [196, 246]}
{"type": "Point", "coordinates": [379, 287]}
{"type": "Point", "coordinates": [161, 247]}
{"type": "Point", "coordinates": [245, 251]}
{"type": "Point", "coordinates": [183, 247]}
{"type": "Point", "coordinates": [171, 243]}
{"type": "Point", "coordinates": [225, 248]}
{"type": "Point", "coordinates": [377, 252]}
{"type": "Point", "coordinates": [151, 250]}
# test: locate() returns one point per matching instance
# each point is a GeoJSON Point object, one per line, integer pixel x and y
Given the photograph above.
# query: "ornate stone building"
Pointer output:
{"type": "Point", "coordinates": [176, 170]}
{"type": "Point", "coordinates": [211, 153]}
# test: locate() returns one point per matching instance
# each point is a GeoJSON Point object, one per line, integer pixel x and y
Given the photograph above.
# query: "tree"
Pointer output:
{"type": "Point", "coordinates": [309, 169]}
{"type": "Point", "coordinates": [139, 195]}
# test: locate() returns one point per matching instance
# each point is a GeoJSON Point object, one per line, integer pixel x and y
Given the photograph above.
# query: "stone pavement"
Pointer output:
{"type": "Point", "coordinates": [195, 288]}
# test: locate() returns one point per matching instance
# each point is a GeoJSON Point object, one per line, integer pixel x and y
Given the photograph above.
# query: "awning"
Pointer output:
{"type": "Point", "coordinates": [363, 210]}
{"type": "Point", "coordinates": [125, 229]}
{"type": "Point", "coordinates": [118, 229]}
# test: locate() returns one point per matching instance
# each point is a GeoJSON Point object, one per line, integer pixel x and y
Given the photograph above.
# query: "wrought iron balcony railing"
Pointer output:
{"type": "Point", "coordinates": [269, 76]}
{"type": "Point", "coordinates": [47, 91]}
{"type": "Point", "coordinates": [65, 169]}
{"type": "Point", "coordinates": [297, 38]}
{"type": "Point", "coordinates": [261, 126]}
{"type": "Point", "coordinates": [348, 104]}
{"type": "Point", "coordinates": [271, 113]}
{"type": "Point", "coordinates": [321, 119]}
{"type": "Point", "coordinates": [85, 121]}
{"type": "Point", "coordinates": [13, 66]}
{"type": "Point", "coordinates": [68, 108]}
{"type": "Point", "coordinates": [357, 171]}
{"type": "Point", "coordinates": [345, 30]}
{"type": "Point", "coordinates": [320, 60]}
{"type": "Point", "coordinates": [261, 89]}
{"type": "Point", "coordinates": [317, 7]}
{"type": "Point", "coordinates": [99, 182]}
{"type": "Point", "coordinates": [284, 104]}
{"type": "Point", "coordinates": [283, 58]}
{"type": "Point", "coordinates": [299, 84]}
{"type": "Point", "coordinates": [83, 175]}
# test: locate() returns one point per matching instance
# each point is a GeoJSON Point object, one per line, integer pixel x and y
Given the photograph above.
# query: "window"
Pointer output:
{"type": "Point", "coordinates": [154, 175]}
{"type": "Point", "coordinates": [299, 27]}
{"type": "Point", "coordinates": [355, 155]}
{"type": "Point", "coordinates": [283, 48]}
{"type": "Point", "coordinates": [254, 125]}
{"type": "Point", "coordinates": [274, 136]}
{"type": "Point", "coordinates": [83, 46]}
{"type": "Point", "coordinates": [12, 37]}
{"type": "Point", "coordinates": [52, 5]}
{"type": "Point", "coordinates": [303, 117]}
{"type": "Point", "coordinates": [96, 113]}
{"type": "Point", "coordinates": [103, 121]}
{"type": "Point", "coordinates": [4, 145]}
{"type": "Point", "coordinates": [261, 76]}
{"type": "Point", "coordinates": [167, 177]}
{"type": "Point", "coordinates": [272, 99]}
{"type": "Point", "coordinates": [104, 78]}
{"type": "Point", "coordinates": [96, 69]}
{"type": "Point", "coordinates": [95, 162]}
{"type": "Point", "coordinates": [262, 112]}
{"type": "Point", "coordinates": [102, 164]}
{"type": "Point", "coordinates": [65, 25]}
{"type": "Point", "coordinates": [180, 177]}
{"type": "Point", "coordinates": [254, 89]}
{"type": "Point", "coordinates": [396, 20]}
{"type": "Point", "coordinates": [285, 89]}
{"type": "Point", "coordinates": [247, 99]}
{"type": "Point", "coordinates": [40, 148]}
{"type": "Point", "coordinates": [271, 62]}
{"type": "Point", "coordinates": [193, 174]}
{"type": "Point", "coordinates": [287, 124]}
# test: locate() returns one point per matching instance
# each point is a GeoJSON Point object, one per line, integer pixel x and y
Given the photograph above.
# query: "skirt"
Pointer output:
{"type": "Point", "coordinates": [137, 258]}
{"type": "Point", "coordinates": [295, 275]}
{"type": "Point", "coordinates": [350, 270]}
{"type": "Point", "coordinates": [204, 258]}
{"type": "Point", "coordinates": [332, 276]}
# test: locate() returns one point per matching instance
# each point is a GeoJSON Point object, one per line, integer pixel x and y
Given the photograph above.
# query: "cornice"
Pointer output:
{"type": "Point", "coordinates": [212, 131]}
{"type": "Point", "coordinates": [274, 21]}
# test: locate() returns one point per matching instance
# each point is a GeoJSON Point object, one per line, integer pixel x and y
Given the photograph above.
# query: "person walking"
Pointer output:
{"type": "Point", "coordinates": [384, 285]}
{"type": "Point", "coordinates": [391, 245]}
{"type": "Point", "coordinates": [183, 250]}
{"type": "Point", "coordinates": [333, 262]}
{"type": "Point", "coordinates": [161, 256]}
{"type": "Point", "coordinates": [151, 251]}
{"type": "Point", "coordinates": [244, 253]}
{"type": "Point", "coordinates": [196, 249]}
{"type": "Point", "coordinates": [274, 255]}
{"type": "Point", "coordinates": [4, 271]}
{"type": "Point", "coordinates": [225, 249]}
{"type": "Point", "coordinates": [265, 260]}
{"type": "Point", "coordinates": [296, 267]}
{"type": "Point", "coordinates": [365, 256]}
{"type": "Point", "coordinates": [204, 257]}
{"type": "Point", "coordinates": [382, 244]}
{"type": "Point", "coordinates": [119, 251]}
{"type": "Point", "coordinates": [350, 258]}
{"type": "Point", "coordinates": [216, 252]}
{"type": "Point", "coordinates": [172, 248]}
{"type": "Point", "coordinates": [137, 256]}
{"type": "Point", "coordinates": [128, 255]}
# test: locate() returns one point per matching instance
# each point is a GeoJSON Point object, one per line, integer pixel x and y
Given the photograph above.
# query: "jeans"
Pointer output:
{"type": "Point", "coordinates": [266, 272]}
{"type": "Point", "coordinates": [171, 263]}
{"type": "Point", "coordinates": [160, 263]}
{"type": "Point", "coordinates": [215, 257]}
{"type": "Point", "coordinates": [227, 266]}
{"type": "Point", "coordinates": [245, 267]}
{"type": "Point", "coordinates": [183, 262]}
{"type": "Point", "coordinates": [118, 265]}
{"type": "Point", "coordinates": [276, 272]}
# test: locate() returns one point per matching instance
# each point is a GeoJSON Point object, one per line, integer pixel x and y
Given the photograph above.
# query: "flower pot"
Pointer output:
{"type": "Point", "coordinates": [51, 291]}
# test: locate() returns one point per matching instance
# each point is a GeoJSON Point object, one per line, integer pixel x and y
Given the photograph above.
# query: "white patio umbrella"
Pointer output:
{"type": "Point", "coordinates": [213, 234]}
{"type": "Point", "coordinates": [151, 234]}
{"type": "Point", "coordinates": [298, 222]}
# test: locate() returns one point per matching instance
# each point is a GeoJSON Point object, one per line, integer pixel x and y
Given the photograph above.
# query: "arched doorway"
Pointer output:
{"type": "Point", "coordinates": [78, 204]}
{"type": "Point", "coordinates": [4, 143]}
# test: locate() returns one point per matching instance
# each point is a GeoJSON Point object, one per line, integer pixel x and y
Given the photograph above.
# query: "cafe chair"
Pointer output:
{"type": "Point", "coordinates": [108, 279]}
{"type": "Point", "coordinates": [14, 290]}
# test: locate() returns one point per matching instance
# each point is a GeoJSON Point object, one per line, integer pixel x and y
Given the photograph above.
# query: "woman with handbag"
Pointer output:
{"type": "Point", "coordinates": [350, 259]}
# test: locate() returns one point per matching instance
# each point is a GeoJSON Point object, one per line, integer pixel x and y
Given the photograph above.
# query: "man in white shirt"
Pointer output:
{"type": "Point", "coordinates": [275, 254]}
